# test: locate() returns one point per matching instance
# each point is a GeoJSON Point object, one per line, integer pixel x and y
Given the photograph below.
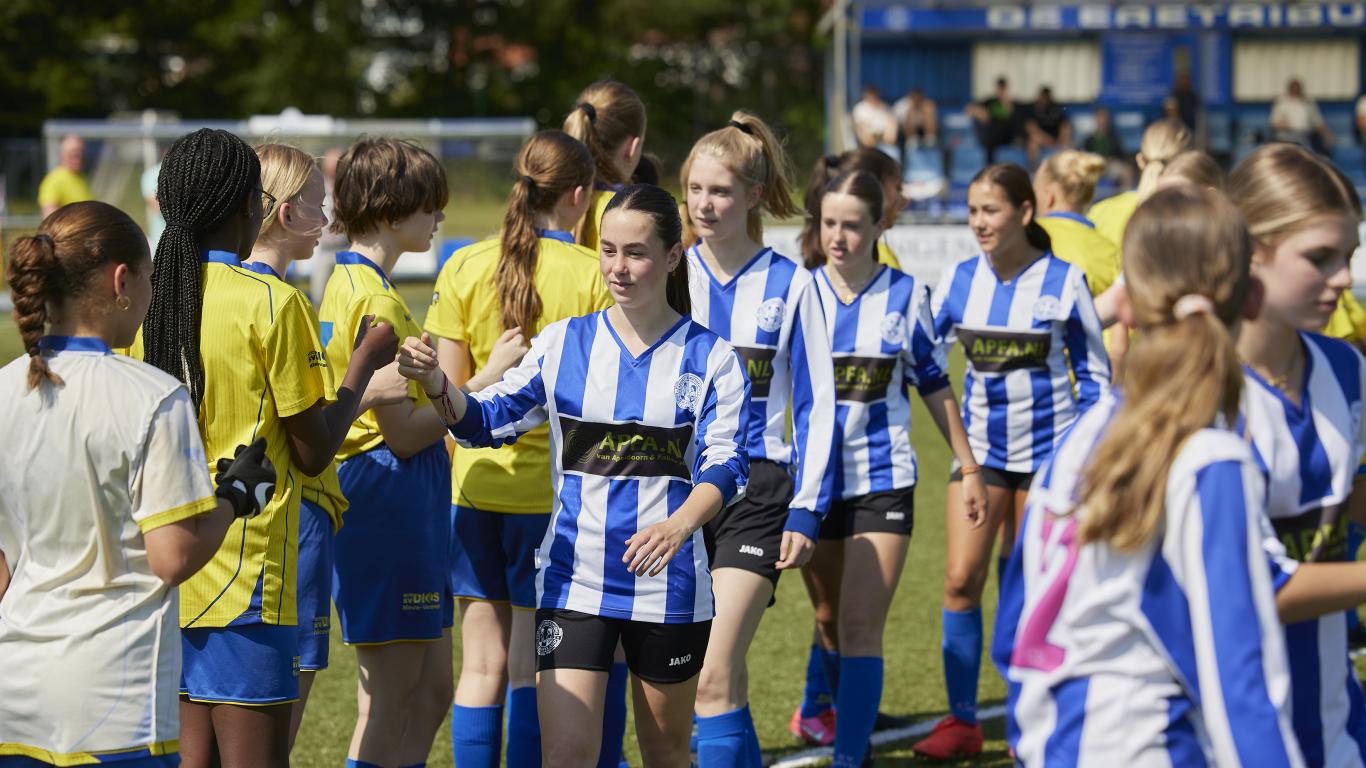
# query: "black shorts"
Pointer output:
{"type": "Point", "coordinates": [748, 534]}
{"type": "Point", "coordinates": [658, 653]}
{"type": "Point", "coordinates": [997, 478]}
{"type": "Point", "coordinates": [884, 512]}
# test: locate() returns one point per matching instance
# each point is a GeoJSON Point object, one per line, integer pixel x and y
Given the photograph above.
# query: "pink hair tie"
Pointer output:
{"type": "Point", "coordinates": [1191, 304]}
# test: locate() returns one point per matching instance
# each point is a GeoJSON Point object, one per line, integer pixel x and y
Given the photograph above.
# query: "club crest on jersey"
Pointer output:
{"type": "Point", "coordinates": [436, 296]}
{"type": "Point", "coordinates": [1047, 309]}
{"type": "Point", "coordinates": [893, 330]}
{"type": "Point", "coordinates": [548, 637]}
{"type": "Point", "coordinates": [770, 315]}
{"type": "Point", "coordinates": [688, 392]}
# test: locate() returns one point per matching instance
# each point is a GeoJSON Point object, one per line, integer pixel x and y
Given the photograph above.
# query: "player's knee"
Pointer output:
{"type": "Point", "coordinates": [566, 751]}
{"type": "Point", "coordinates": [716, 684]}
{"type": "Point", "coordinates": [660, 751]}
{"type": "Point", "coordinates": [964, 583]}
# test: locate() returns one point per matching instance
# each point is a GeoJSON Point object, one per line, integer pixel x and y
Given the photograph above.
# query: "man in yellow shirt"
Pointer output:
{"type": "Point", "coordinates": [65, 183]}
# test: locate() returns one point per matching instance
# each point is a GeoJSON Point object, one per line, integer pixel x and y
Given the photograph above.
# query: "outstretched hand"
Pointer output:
{"type": "Point", "coordinates": [417, 361]}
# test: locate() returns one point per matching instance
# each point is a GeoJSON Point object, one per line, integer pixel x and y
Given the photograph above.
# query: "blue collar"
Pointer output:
{"type": "Point", "coordinates": [74, 344]}
{"type": "Point", "coordinates": [1077, 217]}
{"type": "Point", "coordinates": [601, 187]}
{"type": "Point", "coordinates": [222, 257]}
{"type": "Point", "coordinates": [556, 234]}
{"type": "Point", "coordinates": [261, 268]}
{"type": "Point", "coordinates": [351, 257]}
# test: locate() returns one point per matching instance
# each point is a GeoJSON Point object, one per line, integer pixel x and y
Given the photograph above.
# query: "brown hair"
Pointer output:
{"type": "Point", "coordinates": [1281, 187]}
{"type": "Point", "coordinates": [55, 266]}
{"type": "Point", "coordinates": [285, 171]}
{"type": "Point", "coordinates": [385, 180]}
{"type": "Point", "coordinates": [1014, 182]}
{"type": "Point", "coordinates": [1182, 372]}
{"type": "Point", "coordinates": [550, 164]}
{"type": "Point", "coordinates": [860, 184]}
{"type": "Point", "coordinates": [1196, 167]}
{"type": "Point", "coordinates": [873, 161]}
{"type": "Point", "coordinates": [663, 209]}
{"type": "Point", "coordinates": [748, 147]}
{"type": "Point", "coordinates": [1075, 174]}
{"type": "Point", "coordinates": [607, 114]}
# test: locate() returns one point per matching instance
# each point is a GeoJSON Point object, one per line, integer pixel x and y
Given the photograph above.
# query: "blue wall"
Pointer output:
{"type": "Point", "coordinates": [942, 69]}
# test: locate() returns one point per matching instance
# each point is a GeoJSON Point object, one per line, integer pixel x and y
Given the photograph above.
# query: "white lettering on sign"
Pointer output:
{"type": "Point", "coordinates": [1172, 16]}
{"type": "Point", "coordinates": [1137, 16]}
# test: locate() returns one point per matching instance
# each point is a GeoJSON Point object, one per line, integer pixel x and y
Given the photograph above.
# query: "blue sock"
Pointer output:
{"type": "Point", "coordinates": [721, 740]}
{"type": "Point", "coordinates": [754, 758]}
{"type": "Point", "coordinates": [476, 736]}
{"type": "Point", "coordinates": [359, 764]}
{"type": "Point", "coordinates": [816, 697]}
{"type": "Point", "coordinates": [962, 661]}
{"type": "Point", "coordinates": [523, 729]}
{"type": "Point", "coordinates": [859, 695]}
{"type": "Point", "coordinates": [613, 717]}
{"type": "Point", "coordinates": [692, 740]}
{"type": "Point", "coordinates": [830, 662]}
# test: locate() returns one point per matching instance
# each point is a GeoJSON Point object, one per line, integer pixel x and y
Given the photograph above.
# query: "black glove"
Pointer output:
{"type": "Point", "coordinates": [247, 480]}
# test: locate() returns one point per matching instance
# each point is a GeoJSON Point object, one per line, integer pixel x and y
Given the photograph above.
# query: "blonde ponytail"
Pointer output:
{"type": "Point", "coordinates": [1162, 141]}
{"type": "Point", "coordinates": [1075, 174]}
{"type": "Point", "coordinates": [751, 151]}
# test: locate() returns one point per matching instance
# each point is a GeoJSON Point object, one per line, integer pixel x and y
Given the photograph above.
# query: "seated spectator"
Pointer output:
{"type": "Point", "coordinates": [1047, 126]}
{"type": "Point", "coordinates": [1296, 118]}
{"type": "Point", "coordinates": [1105, 142]}
{"type": "Point", "coordinates": [918, 118]}
{"type": "Point", "coordinates": [874, 123]}
{"type": "Point", "coordinates": [998, 120]}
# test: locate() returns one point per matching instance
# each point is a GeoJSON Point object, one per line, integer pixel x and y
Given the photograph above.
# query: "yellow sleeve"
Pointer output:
{"type": "Point", "coordinates": [296, 365]}
{"type": "Point", "coordinates": [885, 255]}
{"type": "Point", "coordinates": [49, 190]}
{"type": "Point", "coordinates": [1348, 321]}
{"type": "Point", "coordinates": [446, 317]}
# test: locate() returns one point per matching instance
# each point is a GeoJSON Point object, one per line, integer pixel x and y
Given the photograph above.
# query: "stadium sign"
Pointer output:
{"type": "Point", "coordinates": [1086, 17]}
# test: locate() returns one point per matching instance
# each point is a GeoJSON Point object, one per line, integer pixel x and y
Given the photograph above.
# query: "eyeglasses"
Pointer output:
{"type": "Point", "coordinates": [267, 202]}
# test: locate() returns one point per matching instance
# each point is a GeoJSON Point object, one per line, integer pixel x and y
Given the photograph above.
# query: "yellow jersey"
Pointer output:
{"type": "Point", "coordinates": [1112, 215]}
{"type": "Point", "coordinates": [358, 287]}
{"type": "Point", "coordinates": [1348, 321]}
{"type": "Point", "coordinates": [263, 362]}
{"type": "Point", "coordinates": [1076, 241]}
{"type": "Point", "coordinates": [592, 231]}
{"type": "Point", "coordinates": [62, 186]}
{"type": "Point", "coordinates": [886, 256]}
{"type": "Point", "coordinates": [514, 478]}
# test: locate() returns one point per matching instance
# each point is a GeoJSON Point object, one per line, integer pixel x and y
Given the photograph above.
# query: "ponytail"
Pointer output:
{"type": "Point", "coordinates": [662, 208]}
{"type": "Point", "coordinates": [1015, 182]}
{"type": "Point", "coordinates": [34, 279]}
{"type": "Point", "coordinates": [607, 114]}
{"type": "Point", "coordinates": [1162, 141]}
{"type": "Point", "coordinates": [749, 148]}
{"type": "Point", "coordinates": [1182, 373]}
{"type": "Point", "coordinates": [549, 165]}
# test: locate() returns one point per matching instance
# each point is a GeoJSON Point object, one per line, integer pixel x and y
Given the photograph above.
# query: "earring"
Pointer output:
{"type": "Point", "coordinates": [123, 302]}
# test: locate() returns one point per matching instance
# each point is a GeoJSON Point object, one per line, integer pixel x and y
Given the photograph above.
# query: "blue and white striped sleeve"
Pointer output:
{"type": "Point", "coordinates": [500, 413]}
{"type": "Point", "coordinates": [941, 308]}
{"type": "Point", "coordinates": [813, 414]}
{"type": "Point", "coordinates": [927, 366]}
{"type": "Point", "coordinates": [1243, 677]}
{"type": "Point", "coordinates": [1086, 344]}
{"type": "Point", "coordinates": [722, 422]}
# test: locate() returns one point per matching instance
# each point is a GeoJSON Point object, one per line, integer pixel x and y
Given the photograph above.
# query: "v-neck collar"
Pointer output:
{"type": "Point", "coordinates": [1304, 406]}
{"type": "Point", "coordinates": [877, 277]}
{"type": "Point", "coordinates": [729, 284]}
{"type": "Point", "coordinates": [1011, 282]}
{"type": "Point", "coordinates": [636, 360]}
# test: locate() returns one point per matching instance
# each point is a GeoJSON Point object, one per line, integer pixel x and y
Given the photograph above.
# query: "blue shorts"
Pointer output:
{"type": "Point", "coordinates": [493, 555]}
{"type": "Point", "coordinates": [254, 664]}
{"type": "Point", "coordinates": [315, 586]}
{"type": "Point", "coordinates": [390, 575]}
{"type": "Point", "coordinates": [136, 759]}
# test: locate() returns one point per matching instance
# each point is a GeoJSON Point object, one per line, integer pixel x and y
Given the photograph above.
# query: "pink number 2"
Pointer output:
{"type": "Point", "coordinates": [1032, 649]}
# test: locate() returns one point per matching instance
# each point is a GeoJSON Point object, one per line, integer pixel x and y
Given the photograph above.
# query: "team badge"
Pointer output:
{"type": "Point", "coordinates": [1047, 309]}
{"type": "Point", "coordinates": [893, 329]}
{"type": "Point", "coordinates": [548, 637]}
{"type": "Point", "coordinates": [770, 315]}
{"type": "Point", "coordinates": [688, 392]}
{"type": "Point", "coordinates": [436, 296]}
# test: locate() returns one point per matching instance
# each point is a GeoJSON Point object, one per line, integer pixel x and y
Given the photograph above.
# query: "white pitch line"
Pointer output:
{"type": "Point", "coordinates": [816, 755]}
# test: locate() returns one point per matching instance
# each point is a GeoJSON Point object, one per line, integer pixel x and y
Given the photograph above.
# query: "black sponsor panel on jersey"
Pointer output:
{"type": "Point", "coordinates": [863, 379]}
{"type": "Point", "coordinates": [758, 367]}
{"type": "Point", "coordinates": [998, 351]}
{"type": "Point", "coordinates": [625, 450]}
{"type": "Point", "coordinates": [1319, 535]}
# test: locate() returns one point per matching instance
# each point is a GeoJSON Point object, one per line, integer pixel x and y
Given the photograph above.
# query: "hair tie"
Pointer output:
{"type": "Point", "coordinates": [743, 128]}
{"type": "Point", "coordinates": [44, 237]}
{"type": "Point", "coordinates": [832, 161]}
{"type": "Point", "coordinates": [588, 109]}
{"type": "Point", "coordinates": [177, 225]}
{"type": "Point", "coordinates": [1192, 304]}
{"type": "Point", "coordinates": [530, 182]}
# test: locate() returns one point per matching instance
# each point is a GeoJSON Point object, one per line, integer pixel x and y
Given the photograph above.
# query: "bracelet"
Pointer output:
{"type": "Point", "coordinates": [974, 469]}
{"type": "Point", "coordinates": [448, 408]}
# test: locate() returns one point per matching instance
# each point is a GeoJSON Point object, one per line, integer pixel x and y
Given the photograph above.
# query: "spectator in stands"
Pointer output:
{"type": "Point", "coordinates": [65, 183]}
{"type": "Point", "coordinates": [998, 120]}
{"type": "Point", "coordinates": [1104, 141]}
{"type": "Point", "coordinates": [1047, 126]}
{"type": "Point", "coordinates": [1187, 101]}
{"type": "Point", "coordinates": [1296, 118]}
{"type": "Point", "coordinates": [918, 118]}
{"type": "Point", "coordinates": [874, 123]}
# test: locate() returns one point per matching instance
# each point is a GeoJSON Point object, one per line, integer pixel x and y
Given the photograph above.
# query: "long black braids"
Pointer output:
{"type": "Point", "coordinates": [205, 177]}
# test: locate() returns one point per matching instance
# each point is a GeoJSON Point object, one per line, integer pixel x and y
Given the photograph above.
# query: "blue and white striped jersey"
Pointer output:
{"type": "Point", "coordinates": [883, 342]}
{"type": "Point", "coordinates": [770, 312]}
{"type": "Point", "coordinates": [629, 438]}
{"type": "Point", "coordinates": [1311, 454]}
{"type": "Point", "coordinates": [1171, 655]}
{"type": "Point", "coordinates": [1020, 338]}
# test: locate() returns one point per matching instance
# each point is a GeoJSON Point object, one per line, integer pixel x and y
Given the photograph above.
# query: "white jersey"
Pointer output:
{"type": "Point", "coordinates": [771, 314]}
{"type": "Point", "coordinates": [883, 342]}
{"type": "Point", "coordinates": [1311, 454]}
{"type": "Point", "coordinates": [1171, 655]}
{"type": "Point", "coordinates": [1025, 340]}
{"type": "Point", "coordinates": [629, 438]}
{"type": "Point", "coordinates": [89, 636]}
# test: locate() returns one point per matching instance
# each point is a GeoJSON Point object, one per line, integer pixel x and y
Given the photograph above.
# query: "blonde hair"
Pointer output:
{"type": "Point", "coordinates": [749, 149]}
{"type": "Point", "coordinates": [285, 171]}
{"type": "Point", "coordinates": [1162, 141]}
{"type": "Point", "coordinates": [1182, 372]}
{"type": "Point", "coordinates": [1195, 167]}
{"type": "Point", "coordinates": [1075, 174]}
{"type": "Point", "coordinates": [1281, 187]}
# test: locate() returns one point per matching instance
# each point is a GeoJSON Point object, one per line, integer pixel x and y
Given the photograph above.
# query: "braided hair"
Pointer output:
{"type": "Point", "coordinates": [206, 177]}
